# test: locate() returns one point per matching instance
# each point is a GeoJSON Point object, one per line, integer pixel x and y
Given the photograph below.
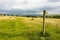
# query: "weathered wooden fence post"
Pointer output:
{"type": "Point", "coordinates": [43, 22]}
{"type": "Point", "coordinates": [43, 30]}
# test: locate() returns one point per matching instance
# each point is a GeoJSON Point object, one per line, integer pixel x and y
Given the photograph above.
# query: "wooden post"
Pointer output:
{"type": "Point", "coordinates": [43, 30]}
{"type": "Point", "coordinates": [43, 22]}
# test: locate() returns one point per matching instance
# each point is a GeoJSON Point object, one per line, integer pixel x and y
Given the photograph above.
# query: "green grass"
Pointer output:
{"type": "Point", "coordinates": [27, 29]}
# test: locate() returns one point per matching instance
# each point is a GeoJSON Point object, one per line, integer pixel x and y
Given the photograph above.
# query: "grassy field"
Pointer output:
{"type": "Point", "coordinates": [23, 28]}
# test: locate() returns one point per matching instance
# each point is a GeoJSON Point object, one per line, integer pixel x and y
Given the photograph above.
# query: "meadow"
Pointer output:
{"type": "Point", "coordinates": [24, 28]}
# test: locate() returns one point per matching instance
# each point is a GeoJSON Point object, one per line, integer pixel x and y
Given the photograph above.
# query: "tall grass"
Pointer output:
{"type": "Point", "coordinates": [27, 29]}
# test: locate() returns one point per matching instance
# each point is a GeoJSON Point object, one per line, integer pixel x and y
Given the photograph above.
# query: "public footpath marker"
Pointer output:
{"type": "Point", "coordinates": [43, 22]}
{"type": "Point", "coordinates": [43, 30]}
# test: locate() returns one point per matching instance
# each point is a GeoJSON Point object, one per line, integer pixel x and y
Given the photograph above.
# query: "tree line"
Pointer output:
{"type": "Point", "coordinates": [47, 16]}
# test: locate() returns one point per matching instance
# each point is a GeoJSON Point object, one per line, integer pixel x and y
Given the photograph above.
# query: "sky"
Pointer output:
{"type": "Point", "coordinates": [51, 6]}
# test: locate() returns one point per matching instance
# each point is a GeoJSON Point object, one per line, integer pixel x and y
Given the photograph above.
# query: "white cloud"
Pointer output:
{"type": "Point", "coordinates": [52, 7]}
{"type": "Point", "coordinates": [52, 4]}
{"type": "Point", "coordinates": [28, 4]}
{"type": "Point", "coordinates": [22, 4]}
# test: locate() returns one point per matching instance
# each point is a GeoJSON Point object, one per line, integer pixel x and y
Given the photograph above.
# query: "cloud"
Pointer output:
{"type": "Point", "coordinates": [6, 4]}
{"type": "Point", "coordinates": [29, 4]}
{"type": "Point", "coordinates": [52, 7]}
{"type": "Point", "coordinates": [49, 5]}
{"type": "Point", "coordinates": [53, 0]}
{"type": "Point", "coordinates": [21, 4]}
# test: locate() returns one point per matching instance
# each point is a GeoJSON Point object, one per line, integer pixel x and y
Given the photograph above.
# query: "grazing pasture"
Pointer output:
{"type": "Point", "coordinates": [24, 28]}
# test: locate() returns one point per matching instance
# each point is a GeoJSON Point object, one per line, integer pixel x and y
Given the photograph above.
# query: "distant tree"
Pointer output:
{"type": "Point", "coordinates": [57, 16]}
{"type": "Point", "coordinates": [4, 14]}
{"type": "Point", "coordinates": [28, 16]}
{"type": "Point", "coordinates": [12, 15]}
{"type": "Point", "coordinates": [1, 14]}
{"type": "Point", "coordinates": [46, 16]}
{"type": "Point", "coordinates": [17, 15]}
{"type": "Point", "coordinates": [7, 14]}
